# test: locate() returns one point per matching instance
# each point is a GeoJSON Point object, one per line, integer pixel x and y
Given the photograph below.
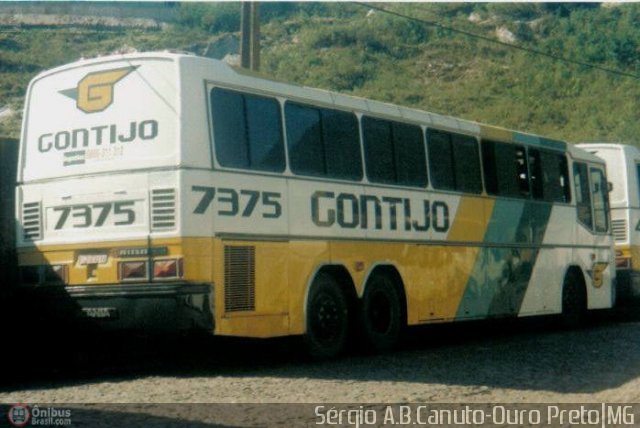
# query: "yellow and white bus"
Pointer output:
{"type": "Point", "coordinates": [623, 169]}
{"type": "Point", "coordinates": [164, 187]}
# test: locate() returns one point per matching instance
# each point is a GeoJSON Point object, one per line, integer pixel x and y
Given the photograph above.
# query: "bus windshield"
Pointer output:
{"type": "Point", "coordinates": [108, 116]}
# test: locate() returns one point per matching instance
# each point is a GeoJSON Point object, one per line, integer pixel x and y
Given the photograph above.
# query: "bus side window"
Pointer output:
{"type": "Point", "coordinates": [454, 161]}
{"type": "Point", "coordinates": [441, 160]}
{"type": "Point", "coordinates": [342, 144]}
{"type": "Point", "coordinates": [323, 142]}
{"type": "Point", "coordinates": [600, 200]}
{"type": "Point", "coordinates": [505, 169]}
{"type": "Point", "coordinates": [549, 177]}
{"type": "Point", "coordinates": [583, 194]}
{"type": "Point", "coordinates": [247, 131]}
{"type": "Point", "coordinates": [394, 152]}
{"type": "Point", "coordinates": [466, 157]}
{"type": "Point", "coordinates": [304, 140]}
{"type": "Point", "coordinates": [538, 175]}
{"type": "Point", "coordinates": [563, 179]}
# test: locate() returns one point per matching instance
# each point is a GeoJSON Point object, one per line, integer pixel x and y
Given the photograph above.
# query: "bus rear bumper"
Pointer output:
{"type": "Point", "coordinates": [147, 307]}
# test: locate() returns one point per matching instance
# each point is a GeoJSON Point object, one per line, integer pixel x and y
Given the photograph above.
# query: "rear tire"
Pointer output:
{"type": "Point", "coordinates": [327, 323]}
{"type": "Point", "coordinates": [381, 314]}
{"type": "Point", "coordinates": [574, 302]}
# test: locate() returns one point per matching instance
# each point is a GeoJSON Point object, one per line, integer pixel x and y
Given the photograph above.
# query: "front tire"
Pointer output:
{"type": "Point", "coordinates": [381, 314]}
{"type": "Point", "coordinates": [327, 323]}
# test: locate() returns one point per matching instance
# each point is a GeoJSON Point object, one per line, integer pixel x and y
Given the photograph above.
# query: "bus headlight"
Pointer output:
{"type": "Point", "coordinates": [133, 271]}
{"type": "Point", "coordinates": [171, 268]}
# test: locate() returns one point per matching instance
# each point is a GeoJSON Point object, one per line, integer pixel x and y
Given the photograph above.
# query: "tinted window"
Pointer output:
{"type": "Point", "coordinates": [549, 176]}
{"type": "Point", "coordinates": [535, 175]}
{"type": "Point", "coordinates": [323, 142]}
{"type": "Point", "coordinates": [378, 150]}
{"type": "Point", "coordinates": [454, 161]}
{"type": "Point", "coordinates": [467, 163]}
{"type": "Point", "coordinates": [599, 189]}
{"type": "Point", "coordinates": [583, 194]}
{"type": "Point", "coordinates": [394, 152]}
{"type": "Point", "coordinates": [505, 169]}
{"type": "Point", "coordinates": [247, 131]}
{"type": "Point", "coordinates": [441, 160]}
{"type": "Point", "coordinates": [304, 140]}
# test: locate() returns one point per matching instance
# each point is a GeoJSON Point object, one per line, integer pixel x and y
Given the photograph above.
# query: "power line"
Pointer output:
{"type": "Point", "coordinates": [499, 42]}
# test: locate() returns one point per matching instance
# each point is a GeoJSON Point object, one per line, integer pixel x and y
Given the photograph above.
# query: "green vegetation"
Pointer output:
{"type": "Point", "coordinates": [354, 50]}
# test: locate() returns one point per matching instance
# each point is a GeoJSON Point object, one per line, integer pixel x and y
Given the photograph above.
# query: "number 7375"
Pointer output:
{"type": "Point", "coordinates": [95, 215]}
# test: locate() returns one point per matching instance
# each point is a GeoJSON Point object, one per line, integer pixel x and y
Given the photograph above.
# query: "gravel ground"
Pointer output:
{"type": "Point", "coordinates": [524, 362]}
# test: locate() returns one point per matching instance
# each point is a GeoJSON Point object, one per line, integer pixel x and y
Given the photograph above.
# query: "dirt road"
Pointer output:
{"type": "Point", "coordinates": [474, 363]}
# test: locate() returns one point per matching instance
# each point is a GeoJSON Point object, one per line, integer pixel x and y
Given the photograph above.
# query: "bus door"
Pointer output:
{"type": "Point", "coordinates": [592, 205]}
{"type": "Point", "coordinates": [600, 194]}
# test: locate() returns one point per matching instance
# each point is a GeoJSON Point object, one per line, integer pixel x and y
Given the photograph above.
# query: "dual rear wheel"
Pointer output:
{"type": "Point", "coordinates": [331, 317]}
{"type": "Point", "coordinates": [379, 316]}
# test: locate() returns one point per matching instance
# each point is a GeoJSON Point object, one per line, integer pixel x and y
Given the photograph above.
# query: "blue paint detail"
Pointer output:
{"type": "Point", "coordinates": [503, 226]}
{"type": "Point", "coordinates": [553, 144]}
{"type": "Point", "coordinates": [500, 276]}
{"type": "Point", "coordinates": [541, 142]}
{"type": "Point", "coordinates": [538, 218]}
{"type": "Point", "coordinates": [526, 138]}
{"type": "Point", "coordinates": [509, 279]}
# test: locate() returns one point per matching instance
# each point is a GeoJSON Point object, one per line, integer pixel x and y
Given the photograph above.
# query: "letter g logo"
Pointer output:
{"type": "Point", "coordinates": [94, 92]}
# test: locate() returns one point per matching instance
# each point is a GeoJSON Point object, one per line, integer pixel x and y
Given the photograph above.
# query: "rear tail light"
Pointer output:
{"type": "Point", "coordinates": [44, 274]}
{"type": "Point", "coordinates": [623, 263]}
{"type": "Point", "coordinates": [55, 274]}
{"type": "Point", "coordinates": [160, 269]}
{"type": "Point", "coordinates": [133, 271]}
{"type": "Point", "coordinates": [171, 268]}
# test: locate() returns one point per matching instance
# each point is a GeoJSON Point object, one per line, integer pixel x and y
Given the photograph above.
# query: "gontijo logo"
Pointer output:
{"type": "Point", "coordinates": [94, 92]}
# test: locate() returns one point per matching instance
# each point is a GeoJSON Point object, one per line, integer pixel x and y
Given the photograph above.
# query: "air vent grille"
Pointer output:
{"type": "Point", "coordinates": [32, 221]}
{"type": "Point", "coordinates": [239, 278]}
{"type": "Point", "coordinates": [619, 228]}
{"type": "Point", "coordinates": [163, 209]}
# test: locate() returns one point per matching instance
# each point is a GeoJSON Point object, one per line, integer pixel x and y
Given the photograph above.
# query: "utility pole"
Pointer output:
{"type": "Point", "coordinates": [250, 35]}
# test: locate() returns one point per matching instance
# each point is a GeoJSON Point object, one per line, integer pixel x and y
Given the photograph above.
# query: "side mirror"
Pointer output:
{"type": "Point", "coordinates": [610, 186]}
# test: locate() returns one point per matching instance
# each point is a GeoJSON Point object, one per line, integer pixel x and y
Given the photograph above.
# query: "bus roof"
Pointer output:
{"type": "Point", "coordinates": [255, 80]}
{"type": "Point", "coordinates": [629, 148]}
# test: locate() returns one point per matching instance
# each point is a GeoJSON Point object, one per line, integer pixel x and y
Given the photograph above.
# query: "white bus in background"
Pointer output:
{"type": "Point", "coordinates": [623, 172]}
{"type": "Point", "coordinates": [170, 189]}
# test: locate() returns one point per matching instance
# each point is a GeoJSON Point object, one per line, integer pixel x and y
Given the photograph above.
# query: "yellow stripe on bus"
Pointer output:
{"type": "Point", "coordinates": [634, 253]}
{"type": "Point", "coordinates": [495, 133]}
{"type": "Point", "coordinates": [470, 225]}
{"type": "Point", "coordinates": [471, 219]}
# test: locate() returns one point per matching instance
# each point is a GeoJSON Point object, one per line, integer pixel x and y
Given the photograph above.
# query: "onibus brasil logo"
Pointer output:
{"type": "Point", "coordinates": [19, 415]}
{"type": "Point", "coordinates": [94, 92]}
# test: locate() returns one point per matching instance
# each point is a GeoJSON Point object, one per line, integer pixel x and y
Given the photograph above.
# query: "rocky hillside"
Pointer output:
{"type": "Point", "coordinates": [358, 50]}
